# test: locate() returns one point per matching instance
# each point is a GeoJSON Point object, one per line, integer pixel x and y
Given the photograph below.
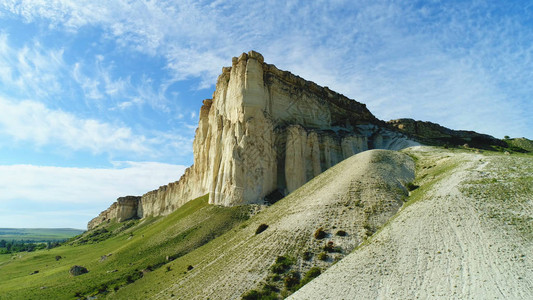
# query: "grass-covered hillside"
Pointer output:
{"type": "Point", "coordinates": [116, 255]}
{"type": "Point", "coordinates": [520, 143]}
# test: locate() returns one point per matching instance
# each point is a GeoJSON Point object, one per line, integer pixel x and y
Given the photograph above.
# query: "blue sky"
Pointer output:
{"type": "Point", "coordinates": [100, 99]}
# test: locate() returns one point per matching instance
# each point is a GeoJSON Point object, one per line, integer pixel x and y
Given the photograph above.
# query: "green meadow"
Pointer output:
{"type": "Point", "coordinates": [38, 234]}
{"type": "Point", "coordinates": [115, 254]}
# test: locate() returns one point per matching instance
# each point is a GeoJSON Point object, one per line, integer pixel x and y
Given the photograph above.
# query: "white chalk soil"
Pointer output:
{"type": "Point", "coordinates": [466, 233]}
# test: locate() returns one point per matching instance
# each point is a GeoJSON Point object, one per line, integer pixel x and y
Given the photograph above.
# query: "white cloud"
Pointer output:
{"type": "Point", "coordinates": [30, 121]}
{"type": "Point", "coordinates": [83, 185]}
{"type": "Point", "coordinates": [58, 191]}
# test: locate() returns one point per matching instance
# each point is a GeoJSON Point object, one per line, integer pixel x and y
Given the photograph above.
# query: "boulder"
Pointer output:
{"type": "Point", "coordinates": [78, 270]}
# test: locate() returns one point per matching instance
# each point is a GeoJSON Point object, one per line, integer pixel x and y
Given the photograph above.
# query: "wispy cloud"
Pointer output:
{"type": "Point", "coordinates": [31, 70]}
{"type": "Point", "coordinates": [30, 121]}
{"type": "Point", "coordinates": [53, 188]}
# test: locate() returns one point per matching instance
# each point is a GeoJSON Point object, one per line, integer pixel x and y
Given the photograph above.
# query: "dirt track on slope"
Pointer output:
{"type": "Point", "coordinates": [469, 236]}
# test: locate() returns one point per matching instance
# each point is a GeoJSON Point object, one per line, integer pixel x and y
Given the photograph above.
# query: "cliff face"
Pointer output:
{"type": "Point", "coordinates": [435, 134]}
{"type": "Point", "coordinates": [267, 132]}
{"type": "Point", "coordinates": [123, 209]}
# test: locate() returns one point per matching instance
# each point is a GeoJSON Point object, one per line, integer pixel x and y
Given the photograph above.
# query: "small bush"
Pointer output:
{"type": "Point", "coordinates": [252, 295]}
{"type": "Point", "coordinates": [275, 277]}
{"type": "Point", "coordinates": [307, 255]}
{"type": "Point", "coordinates": [323, 256]}
{"type": "Point", "coordinates": [102, 288]}
{"type": "Point", "coordinates": [190, 268]}
{"type": "Point", "coordinates": [320, 234]}
{"type": "Point", "coordinates": [292, 280]}
{"type": "Point", "coordinates": [282, 265]}
{"type": "Point", "coordinates": [330, 248]}
{"type": "Point", "coordinates": [310, 275]}
{"type": "Point", "coordinates": [268, 289]}
{"type": "Point", "coordinates": [261, 228]}
{"type": "Point", "coordinates": [369, 229]}
{"type": "Point", "coordinates": [341, 233]}
{"type": "Point", "coordinates": [269, 292]}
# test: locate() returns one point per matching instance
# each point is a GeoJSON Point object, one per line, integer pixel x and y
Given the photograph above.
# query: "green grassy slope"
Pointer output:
{"type": "Point", "coordinates": [131, 248]}
{"type": "Point", "coordinates": [523, 143]}
{"type": "Point", "coordinates": [38, 234]}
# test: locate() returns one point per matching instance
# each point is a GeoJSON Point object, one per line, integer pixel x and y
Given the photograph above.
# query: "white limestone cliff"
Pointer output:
{"type": "Point", "coordinates": [268, 131]}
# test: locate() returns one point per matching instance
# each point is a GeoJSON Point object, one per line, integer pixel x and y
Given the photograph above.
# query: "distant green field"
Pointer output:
{"type": "Point", "coordinates": [38, 234]}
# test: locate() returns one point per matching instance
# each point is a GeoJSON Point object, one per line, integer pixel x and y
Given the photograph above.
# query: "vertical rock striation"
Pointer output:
{"type": "Point", "coordinates": [125, 208]}
{"type": "Point", "coordinates": [268, 131]}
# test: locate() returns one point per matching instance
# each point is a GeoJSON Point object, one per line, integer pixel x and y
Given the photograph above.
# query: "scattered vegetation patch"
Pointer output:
{"type": "Point", "coordinates": [264, 294]}
{"type": "Point", "coordinates": [282, 264]}
{"type": "Point", "coordinates": [261, 228]}
{"type": "Point", "coordinates": [320, 233]}
{"type": "Point", "coordinates": [309, 275]}
{"type": "Point", "coordinates": [307, 255]}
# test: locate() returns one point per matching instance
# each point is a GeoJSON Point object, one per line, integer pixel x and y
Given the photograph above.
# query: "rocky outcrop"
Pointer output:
{"type": "Point", "coordinates": [265, 132]}
{"type": "Point", "coordinates": [435, 134]}
{"type": "Point", "coordinates": [125, 208]}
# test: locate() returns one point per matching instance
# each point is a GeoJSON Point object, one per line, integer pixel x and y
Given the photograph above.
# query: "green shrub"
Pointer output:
{"type": "Point", "coordinates": [320, 234]}
{"type": "Point", "coordinates": [261, 228]}
{"type": "Point", "coordinates": [275, 277]}
{"type": "Point", "coordinates": [292, 280]}
{"type": "Point", "coordinates": [310, 275]}
{"type": "Point", "coordinates": [330, 248]}
{"type": "Point", "coordinates": [341, 233]}
{"type": "Point", "coordinates": [307, 255]}
{"type": "Point", "coordinates": [282, 264]}
{"type": "Point", "coordinates": [252, 295]}
{"type": "Point", "coordinates": [323, 256]}
{"type": "Point", "coordinates": [269, 292]}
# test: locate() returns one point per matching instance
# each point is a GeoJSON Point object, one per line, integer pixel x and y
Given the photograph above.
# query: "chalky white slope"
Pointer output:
{"type": "Point", "coordinates": [467, 235]}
